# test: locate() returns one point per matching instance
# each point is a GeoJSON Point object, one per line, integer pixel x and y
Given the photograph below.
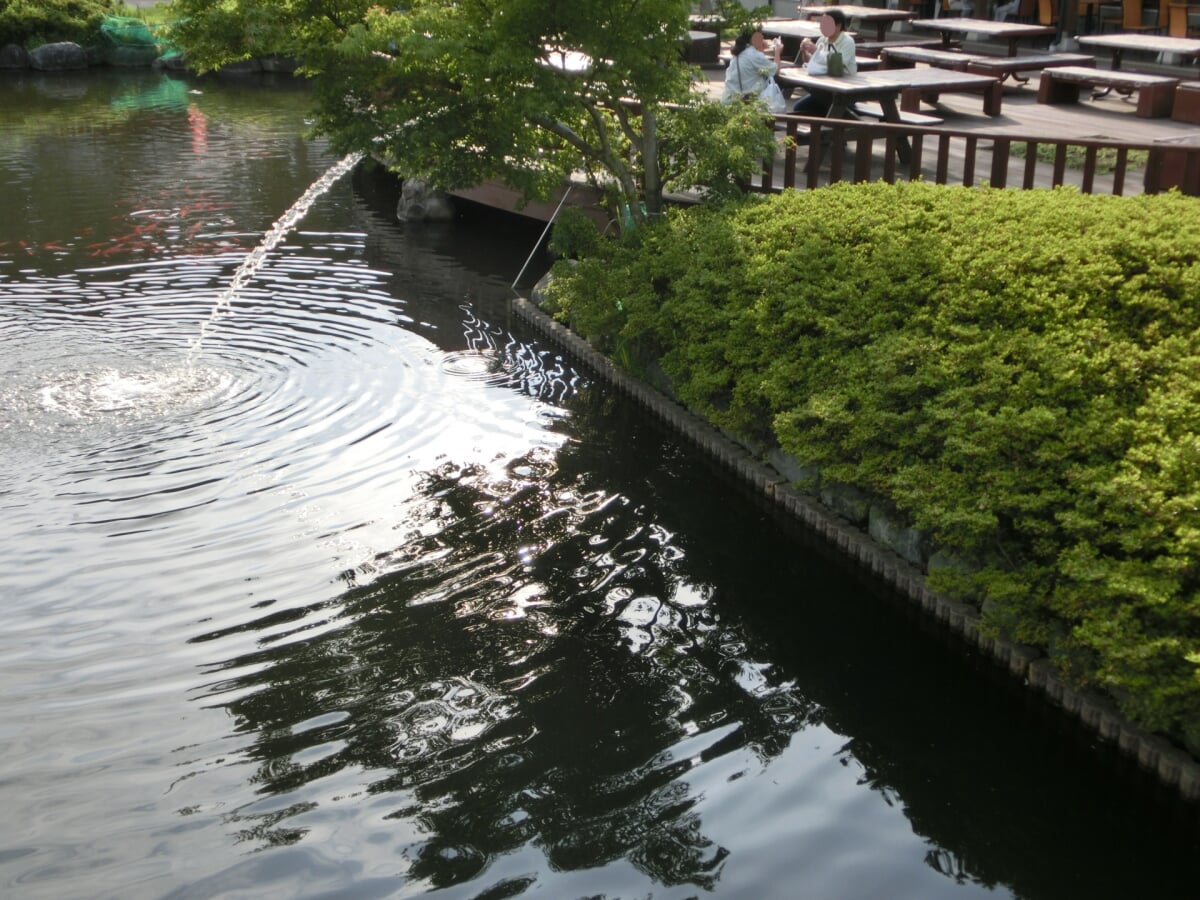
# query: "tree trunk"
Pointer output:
{"type": "Point", "coordinates": [652, 184]}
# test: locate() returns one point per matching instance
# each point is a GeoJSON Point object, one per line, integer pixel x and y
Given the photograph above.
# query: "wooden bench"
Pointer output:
{"type": "Point", "coordinates": [874, 48]}
{"type": "Point", "coordinates": [907, 57]}
{"type": "Point", "coordinates": [1156, 93]}
{"type": "Point", "coordinates": [875, 111]}
{"type": "Point", "coordinates": [1187, 103]}
{"type": "Point", "coordinates": [1005, 66]}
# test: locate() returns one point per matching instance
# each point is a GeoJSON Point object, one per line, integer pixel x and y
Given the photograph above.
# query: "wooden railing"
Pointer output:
{"type": "Point", "coordinates": [857, 150]}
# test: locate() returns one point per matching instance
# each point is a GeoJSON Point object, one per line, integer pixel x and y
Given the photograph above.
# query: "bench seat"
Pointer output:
{"type": "Point", "coordinates": [875, 111]}
{"type": "Point", "coordinates": [1187, 103]}
{"type": "Point", "coordinates": [1156, 93]}
{"type": "Point", "coordinates": [1003, 66]}
{"type": "Point", "coordinates": [874, 48]}
{"type": "Point", "coordinates": [907, 56]}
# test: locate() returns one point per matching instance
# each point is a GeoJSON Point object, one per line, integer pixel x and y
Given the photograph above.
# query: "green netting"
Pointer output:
{"type": "Point", "coordinates": [122, 31]}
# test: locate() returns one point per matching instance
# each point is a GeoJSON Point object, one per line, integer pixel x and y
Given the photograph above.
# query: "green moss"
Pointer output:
{"type": "Point", "coordinates": [1018, 372]}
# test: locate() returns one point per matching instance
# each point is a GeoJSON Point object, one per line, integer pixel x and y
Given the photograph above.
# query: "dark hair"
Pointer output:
{"type": "Point", "coordinates": [839, 17]}
{"type": "Point", "coordinates": [743, 39]}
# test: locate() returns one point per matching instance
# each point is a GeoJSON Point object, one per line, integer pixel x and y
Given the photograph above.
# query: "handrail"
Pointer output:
{"type": "Point", "coordinates": [957, 156]}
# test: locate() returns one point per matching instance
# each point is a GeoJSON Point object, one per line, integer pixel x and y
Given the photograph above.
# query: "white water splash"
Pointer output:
{"type": "Point", "coordinates": [284, 224]}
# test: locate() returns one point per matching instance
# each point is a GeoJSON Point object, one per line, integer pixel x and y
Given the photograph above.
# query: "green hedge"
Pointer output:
{"type": "Point", "coordinates": [32, 23]}
{"type": "Point", "coordinates": [1018, 372]}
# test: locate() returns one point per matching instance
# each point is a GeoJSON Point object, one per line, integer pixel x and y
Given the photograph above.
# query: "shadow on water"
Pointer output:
{"type": "Point", "coordinates": [552, 658]}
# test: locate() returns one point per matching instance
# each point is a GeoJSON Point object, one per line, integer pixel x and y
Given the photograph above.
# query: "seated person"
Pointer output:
{"type": "Point", "coordinates": [833, 36]}
{"type": "Point", "coordinates": [749, 70]}
{"type": "Point", "coordinates": [1004, 10]}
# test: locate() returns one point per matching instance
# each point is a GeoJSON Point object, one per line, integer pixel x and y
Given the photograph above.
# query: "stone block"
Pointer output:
{"type": "Point", "coordinates": [908, 543]}
{"type": "Point", "coordinates": [60, 56]}
{"type": "Point", "coordinates": [14, 56]}
{"type": "Point", "coordinates": [806, 478]}
{"type": "Point", "coordinates": [846, 500]}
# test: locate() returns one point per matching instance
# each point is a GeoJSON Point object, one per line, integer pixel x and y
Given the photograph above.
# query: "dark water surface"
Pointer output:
{"type": "Point", "coordinates": [350, 588]}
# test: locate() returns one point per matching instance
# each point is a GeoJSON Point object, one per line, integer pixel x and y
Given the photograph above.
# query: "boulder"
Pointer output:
{"type": "Point", "coordinates": [130, 56]}
{"type": "Point", "coordinates": [421, 203]}
{"type": "Point", "coordinates": [239, 68]}
{"type": "Point", "coordinates": [14, 56]}
{"type": "Point", "coordinates": [172, 62]}
{"type": "Point", "coordinates": [280, 64]}
{"type": "Point", "coordinates": [59, 56]}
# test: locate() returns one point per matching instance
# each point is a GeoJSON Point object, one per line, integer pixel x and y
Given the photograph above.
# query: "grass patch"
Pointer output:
{"type": "Point", "coordinates": [153, 16]}
{"type": "Point", "coordinates": [1106, 157]}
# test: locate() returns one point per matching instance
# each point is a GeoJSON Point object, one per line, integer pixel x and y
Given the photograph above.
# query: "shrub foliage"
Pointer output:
{"type": "Point", "coordinates": [1018, 372]}
{"type": "Point", "coordinates": [32, 23]}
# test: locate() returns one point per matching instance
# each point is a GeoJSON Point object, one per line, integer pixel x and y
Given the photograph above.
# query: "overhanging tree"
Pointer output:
{"type": "Point", "coordinates": [524, 91]}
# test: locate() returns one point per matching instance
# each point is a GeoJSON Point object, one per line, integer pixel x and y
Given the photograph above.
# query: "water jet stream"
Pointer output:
{"type": "Point", "coordinates": [277, 232]}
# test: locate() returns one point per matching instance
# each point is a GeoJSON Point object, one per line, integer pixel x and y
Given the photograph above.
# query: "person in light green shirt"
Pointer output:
{"type": "Point", "coordinates": [833, 37]}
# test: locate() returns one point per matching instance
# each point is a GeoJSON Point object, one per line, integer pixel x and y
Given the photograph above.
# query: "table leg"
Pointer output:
{"type": "Point", "coordinates": [1116, 65]}
{"type": "Point", "coordinates": [892, 114]}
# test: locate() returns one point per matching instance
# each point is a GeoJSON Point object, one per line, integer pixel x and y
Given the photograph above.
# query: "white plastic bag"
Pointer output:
{"type": "Point", "coordinates": [817, 63]}
{"type": "Point", "coordinates": [773, 97]}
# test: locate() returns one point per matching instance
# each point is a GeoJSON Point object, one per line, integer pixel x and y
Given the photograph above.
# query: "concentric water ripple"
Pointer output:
{"type": "Point", "coordinates": [122, 417]}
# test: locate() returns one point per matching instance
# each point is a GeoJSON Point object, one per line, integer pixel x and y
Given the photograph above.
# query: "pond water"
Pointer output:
{"type": "Point", "coordinates": [347, 586]}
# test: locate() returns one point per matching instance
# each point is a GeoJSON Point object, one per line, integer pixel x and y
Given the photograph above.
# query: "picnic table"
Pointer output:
{"type": "Point", "coordinates": [882, 18]}
{"type": "Point", "coordinates": [1001, 67]}
{"type": "Point", "coordinates": [1151, 43]}
{"type": "Point", "coordinates": [1007, 31]}
{"type": "Point", "coordinates": [791, 28]}
{"type": "Point", "coordinates": [891, 89]}
{"type": "Point", "coordinates": [792, 32]}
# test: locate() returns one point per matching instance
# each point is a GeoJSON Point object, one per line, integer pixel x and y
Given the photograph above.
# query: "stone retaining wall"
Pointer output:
{"type": "Point", "coordinates": [1174, 767]}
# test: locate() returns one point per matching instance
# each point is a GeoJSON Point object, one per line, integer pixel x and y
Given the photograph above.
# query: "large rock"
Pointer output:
{"type": "Point", "coordinates": [14, 56]}
{"type": "Point", "coordinates": [240, 68]}
{"type": "Point", "coordinates": [421, 203]}
{"type": "Point", "coordinates": [172, 62]}
{"type": "Point", "coordinates": [54, 57]}
{"type": "Point", "coordinates": [281, 64]}
{"type": "Point", "coordinates": [130, 57]}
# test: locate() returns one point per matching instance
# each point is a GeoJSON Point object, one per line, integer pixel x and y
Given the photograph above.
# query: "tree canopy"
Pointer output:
{"type": "Point", "coordinates": [524, 91]}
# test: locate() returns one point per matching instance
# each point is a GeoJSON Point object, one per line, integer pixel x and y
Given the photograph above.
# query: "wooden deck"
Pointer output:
{"type": "Point", "coordinates": [968, 156]}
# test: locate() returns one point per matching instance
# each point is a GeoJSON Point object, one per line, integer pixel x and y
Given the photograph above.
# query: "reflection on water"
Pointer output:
{"type": "Point", "coordinates": [375, 595]}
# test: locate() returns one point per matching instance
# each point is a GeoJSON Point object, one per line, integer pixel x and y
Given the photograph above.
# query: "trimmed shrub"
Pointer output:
{"type": "Point", "coordinates": [1018, 372]}
{"type": "Point", "coordinates": [32, 23]}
